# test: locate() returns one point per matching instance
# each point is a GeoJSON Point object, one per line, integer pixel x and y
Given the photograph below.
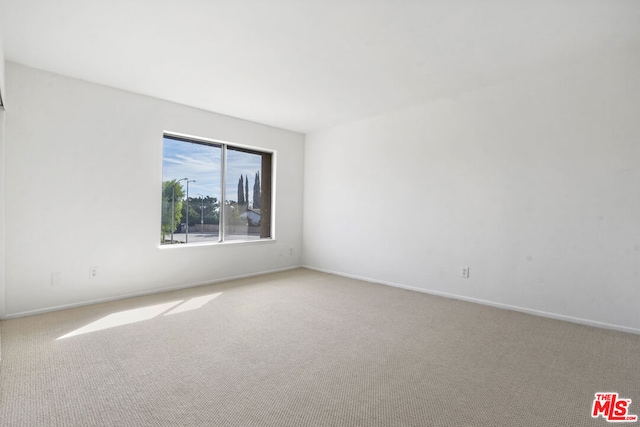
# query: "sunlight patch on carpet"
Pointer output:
{"type": "Point", "coordinates": [128, 317]}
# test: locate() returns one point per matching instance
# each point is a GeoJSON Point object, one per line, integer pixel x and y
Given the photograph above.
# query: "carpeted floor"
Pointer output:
{"type": "Point", "coordinates": [303, 348]}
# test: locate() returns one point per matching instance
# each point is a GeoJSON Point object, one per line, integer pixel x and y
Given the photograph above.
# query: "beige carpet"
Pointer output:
{"type": "Point", "coordinates": [303, 348]}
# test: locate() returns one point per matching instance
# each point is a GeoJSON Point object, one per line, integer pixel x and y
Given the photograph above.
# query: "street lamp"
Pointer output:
{"type": "Point", "coordinates": [186, 237]}
{"type": "Point", "coordinates": [173, 205]}
{"type": "Point", "coordinates": [201, 212]}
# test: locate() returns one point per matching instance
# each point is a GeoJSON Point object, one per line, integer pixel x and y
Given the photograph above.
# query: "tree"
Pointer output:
{"type": "Point", "coordinates": [171, 189]}
{"type": "Point", "coordinates": [241, 199]}
{"type": "Point", "coordinates": [194, 210]}
{"type": "Point", "coordinates": [232, 213]}
{"type": "Point", "coordinates": [256, 192]}
{"type": "Point", "coordinates": [246, 189]}
{"type": "Point", "coordinates": [211, 210]}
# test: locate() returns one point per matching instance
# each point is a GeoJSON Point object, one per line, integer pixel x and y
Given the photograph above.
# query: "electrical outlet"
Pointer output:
{"type": "Point", "coordinates": [291, 251]}
{"type": "Point", "coordinates": [93, 272]}
{"type": "Point", "coordinates": [56, 278]}
{"type": "Point", "coordinates": [464, 272]}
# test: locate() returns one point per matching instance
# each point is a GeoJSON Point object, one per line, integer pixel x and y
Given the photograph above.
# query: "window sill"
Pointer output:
{"type": "Point", "coordinates": [224, 243]}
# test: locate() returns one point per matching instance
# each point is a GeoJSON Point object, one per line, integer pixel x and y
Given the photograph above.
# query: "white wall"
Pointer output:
{"type": "Point", "coordinates": [83, 185]}
{"type": "Point", "coordinates": [2, 91]}
{"type": "Point", "coordinates": [534, 184]}
{"type": "Point", "coordinates": [2, 168]}
{"type": "Point", "coordinates": [2, 251]}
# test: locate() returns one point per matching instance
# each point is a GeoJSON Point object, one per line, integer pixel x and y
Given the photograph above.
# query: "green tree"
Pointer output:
{"type": "Point", "coordinates": [171, 189]}
{"type": "Point", "coordinates": [241, 199]}
{"type": "Point", "coordinates": [232, 211]}
{"type": "Point", "coordinates": [246, 190]}
{"type": "Point", "coordinates": [194, 210]}
{"type": "Point", "coordinates": [211, 210]}
{"type": "Point", "coordinates": [256, 191]}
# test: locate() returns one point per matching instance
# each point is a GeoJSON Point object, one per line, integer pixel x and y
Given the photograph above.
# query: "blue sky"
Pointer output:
{"type": "Point", "coordinates": [202, 163]}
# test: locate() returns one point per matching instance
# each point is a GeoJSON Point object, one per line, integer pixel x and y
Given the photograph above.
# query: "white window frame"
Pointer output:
{"type": "Point", "coordinates": [223, 169]}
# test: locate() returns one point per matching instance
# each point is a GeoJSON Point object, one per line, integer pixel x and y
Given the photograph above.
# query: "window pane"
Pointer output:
{"type": "Point", "coordinates": [191, 176]}
{"type": "Point", "coordinates": [247, 214]}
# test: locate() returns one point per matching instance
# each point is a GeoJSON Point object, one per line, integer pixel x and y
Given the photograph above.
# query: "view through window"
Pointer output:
{"type": "Point", "coordinates": [214, 192]}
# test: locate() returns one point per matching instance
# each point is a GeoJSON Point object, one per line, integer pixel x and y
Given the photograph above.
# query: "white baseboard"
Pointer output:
{"type": "Point", "coordinates": [141, 293]}
{"type": "Point", "coordinates": [540, 313]}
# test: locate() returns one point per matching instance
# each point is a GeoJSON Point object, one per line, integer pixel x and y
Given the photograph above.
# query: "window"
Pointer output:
{"type": "Point", "coordinates": [214, 192]}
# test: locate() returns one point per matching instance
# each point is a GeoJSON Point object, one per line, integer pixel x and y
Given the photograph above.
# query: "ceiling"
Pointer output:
{"type": "Point", "coordinates": [306, 65]}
